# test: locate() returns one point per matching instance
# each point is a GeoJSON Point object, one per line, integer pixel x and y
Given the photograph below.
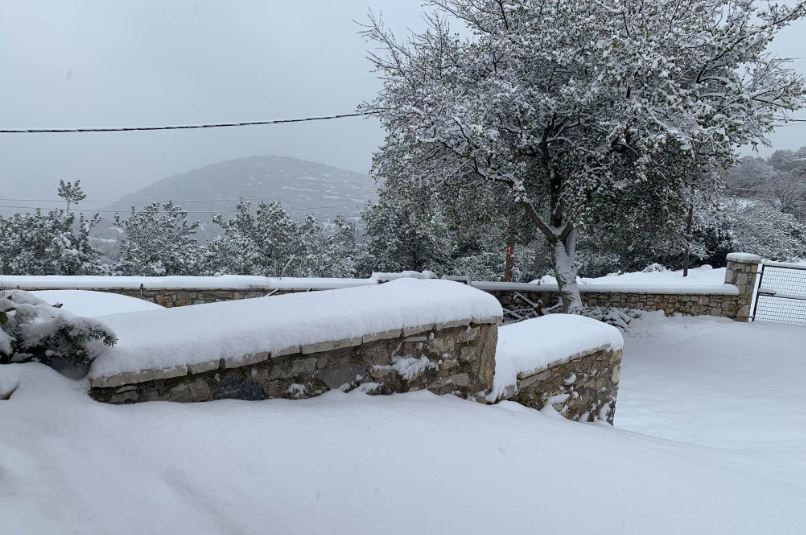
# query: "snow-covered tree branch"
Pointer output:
{"type": "Point", "coordinates": [564, 101]}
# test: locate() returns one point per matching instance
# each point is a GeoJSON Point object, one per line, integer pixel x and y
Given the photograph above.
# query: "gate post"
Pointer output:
{"type": "Point", "coordinates": [741, 272]}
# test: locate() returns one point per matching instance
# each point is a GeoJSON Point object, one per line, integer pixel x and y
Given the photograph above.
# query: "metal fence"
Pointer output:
{"type": "Point", "coordinates": [781, 295]}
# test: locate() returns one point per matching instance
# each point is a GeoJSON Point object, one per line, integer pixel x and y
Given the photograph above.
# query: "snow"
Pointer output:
{"type": "Point", "coordinates": [234, 282]}
{"type": "Point", "coordinates": [348, 463]}
{"type": "Point", "coordinates": [798, 264]}
{"type": "Point", "coordinates": [382, 276]}
{"type": "Point", "coordinates": [700, 280]}
{"type": "Point", "coordinates": [90, 304]}
{"type": "Point", "coordinates": [409, 367]}
{"type": "Point", "coordinates": [743, 257]}
{"type": "Point", "coordinates": [532, 345]}
{"type": "Point", "coordinates": [722, 384]}
{"type": "Point", "coordinates": [202, 333]}
{"type": "Point", "coordinates": [710, 438]}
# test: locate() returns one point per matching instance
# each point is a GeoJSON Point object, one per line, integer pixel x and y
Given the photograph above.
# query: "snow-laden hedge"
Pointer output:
{"type": "Point", "coordinates": [32, 330]}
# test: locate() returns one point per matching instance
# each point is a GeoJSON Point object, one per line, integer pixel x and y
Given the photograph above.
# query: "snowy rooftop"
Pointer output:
{"type": "Point", "coordinates": [231, 330]}
{"type": "Point", "coordinates": [532, 345]}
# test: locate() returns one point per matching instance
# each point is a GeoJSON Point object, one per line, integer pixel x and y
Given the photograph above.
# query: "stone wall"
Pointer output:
{"type": "Point", "coordinates": [741, 272]}
{"type": "Point", "coordinates": [168, 297]}
{"type": "Point", "coordinates": [454, 358]}
{"type": "Point", "coordinates": [690, 304]}
{"type": "Point", "coordinates": [727, 302]}
{"type": "Point", "coordinates": [733, 301]}
{"type": "Point", "coordinates": [582, 388]}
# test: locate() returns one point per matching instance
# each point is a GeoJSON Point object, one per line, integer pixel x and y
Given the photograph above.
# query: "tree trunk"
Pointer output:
{"type": "Point", "coordinates": [509, 252]}
{"type": "Point", "coordinates": [509, 262]}
{"type": "Point", "coordinates": [564, 256]}
{"type": "Point", "coordinates": [563, 253]}
{"type": "Point", "coordinates": [689, 237]}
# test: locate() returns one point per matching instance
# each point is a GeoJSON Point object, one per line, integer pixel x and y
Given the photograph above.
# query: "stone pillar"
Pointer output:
{"type": "Point", "coordinates": [741, 272]}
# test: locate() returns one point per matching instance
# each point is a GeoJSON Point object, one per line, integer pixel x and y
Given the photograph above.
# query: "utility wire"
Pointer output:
{"type": "Point", "coordinates": [212, 125]}
{"type": "Point", "coordinates": [178, 126]}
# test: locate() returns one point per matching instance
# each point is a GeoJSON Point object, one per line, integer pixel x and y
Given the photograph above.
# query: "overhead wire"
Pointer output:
{"type": "Point", "coordinates": [84, 130]}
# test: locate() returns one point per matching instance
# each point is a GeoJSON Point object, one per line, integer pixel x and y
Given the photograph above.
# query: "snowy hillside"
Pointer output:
{"type": "Point", "coordinates": [301, 186]}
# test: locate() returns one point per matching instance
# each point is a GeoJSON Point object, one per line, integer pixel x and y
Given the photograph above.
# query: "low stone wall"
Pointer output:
{"type": "Point", "coordinates": [582, 388]}
{"type": "Point", "coordinates": [189, 296]}
{"type": "Point", "coordinates": [454, 358]}
{"type": "Point", "coordinates": [733, 300]}
{"type": "Point", "coordinates": [690, 304]}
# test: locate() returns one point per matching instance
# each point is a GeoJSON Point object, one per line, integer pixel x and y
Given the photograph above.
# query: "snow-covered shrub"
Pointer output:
{"type": "Point", "coordinates": [32, 330]}
{"type": "Point", "coordinates": [159, 241]}
{"type": "Point", "coordinates": [48, 243]}
{"type": "Point", "coordinates": [758, 227]}
{"type": "Point", "coordinates": [267, 241]}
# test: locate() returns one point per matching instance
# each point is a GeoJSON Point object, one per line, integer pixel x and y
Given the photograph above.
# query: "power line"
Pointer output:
{"type": "Point", "coordinates": [178, 126]}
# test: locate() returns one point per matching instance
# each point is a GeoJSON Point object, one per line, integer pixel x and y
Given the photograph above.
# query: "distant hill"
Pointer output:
{"type": "Point", "coordinates": [302, 187]}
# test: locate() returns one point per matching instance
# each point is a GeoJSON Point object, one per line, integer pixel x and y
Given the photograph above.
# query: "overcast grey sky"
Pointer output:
{"type": "Point", "coordinates": [69, 63]}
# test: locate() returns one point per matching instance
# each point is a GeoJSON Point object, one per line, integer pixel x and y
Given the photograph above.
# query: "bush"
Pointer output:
{"type": "Point", "coordinates": [32, 330]}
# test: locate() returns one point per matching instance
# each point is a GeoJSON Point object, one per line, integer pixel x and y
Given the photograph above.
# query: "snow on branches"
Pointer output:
{"type": "Point", "coordinates": [563, 100]}
{"type": "Point", "coordinates": [32, 330]}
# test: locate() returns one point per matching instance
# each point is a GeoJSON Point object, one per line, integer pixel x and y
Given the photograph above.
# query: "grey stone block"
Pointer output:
{"type": "Point", "coordinates": [203, 367]}
{"type": "Point", "coordinates": [416, 329]}
{"type": "Point", "coordinates": [246, 360]}
{"type": "Point", "coordinates": [383, 335]}
{"type": "Point", "coordinates": [138, 377]}
{"type": "Point", "coordinates": [290, 350]}
{"type": "Point", "coordinates": [330, 345]}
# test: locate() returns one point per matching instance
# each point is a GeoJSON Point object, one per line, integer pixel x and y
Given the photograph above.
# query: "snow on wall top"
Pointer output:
{"type": "Point", "coordinates": [230, 330]}
{"type": "Point", "coordinates": [532, 345]}
{"type": "Point", "coordinates": [94, 304]}
{"type": "Point", "coordinates": [701, 280]}
{"type": "Point", "coordinates": [746, 258]}
{"type": "Point", "coordinates": [234, 282]}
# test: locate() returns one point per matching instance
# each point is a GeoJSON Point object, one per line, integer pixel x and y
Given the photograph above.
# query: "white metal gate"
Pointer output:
{"type": "Point", "coordinates": [781, 295]}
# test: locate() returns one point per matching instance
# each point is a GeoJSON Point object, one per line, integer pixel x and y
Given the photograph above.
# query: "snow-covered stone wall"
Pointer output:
{"type": "Point", "coordinates": [454, 358]}
{"type": "Point", "coordinates": [401, 336]}
{"type": "Point", "coordinates": [569, 362]}
{"type": "Point", "coordinates": [733, 299]}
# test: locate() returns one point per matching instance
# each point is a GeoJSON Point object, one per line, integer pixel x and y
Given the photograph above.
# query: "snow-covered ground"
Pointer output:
{"type": "Point", "coordinates": [738, 387]}
{"type": "Point", "coordinates": [710, 438]}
